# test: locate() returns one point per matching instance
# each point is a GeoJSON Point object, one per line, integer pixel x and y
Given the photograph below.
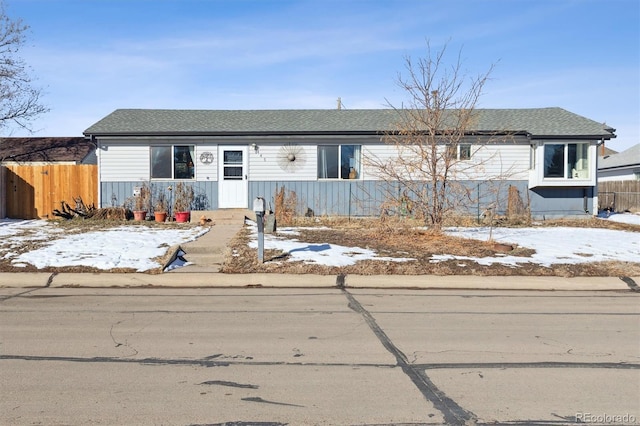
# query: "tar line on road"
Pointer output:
{"type": "Point", "coordinates": [452, 412]}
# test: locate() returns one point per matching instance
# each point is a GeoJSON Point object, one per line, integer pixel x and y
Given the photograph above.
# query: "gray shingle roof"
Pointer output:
{"type": "Point", "coordinates": [626, 158]}
{"type": "Point", "coordinates": [537, 121]}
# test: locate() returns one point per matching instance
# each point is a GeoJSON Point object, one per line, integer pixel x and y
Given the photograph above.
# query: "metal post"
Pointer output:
{"type": "Point", "coordinates": [259, 209]}
{"type": "Point", "coordinates": [260, 221]}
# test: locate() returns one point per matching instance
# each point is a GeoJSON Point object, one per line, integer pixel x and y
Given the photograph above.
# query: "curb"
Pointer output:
{"type": "Point", "coordinates": [218, 280]}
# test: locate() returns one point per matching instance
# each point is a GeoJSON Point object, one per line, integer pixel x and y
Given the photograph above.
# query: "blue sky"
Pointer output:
{"type": "Point", "coordinates": [94, 56]}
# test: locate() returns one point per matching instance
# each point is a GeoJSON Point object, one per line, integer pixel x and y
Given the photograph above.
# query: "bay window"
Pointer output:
{"type": "Point", "coordinates": [172, 162]}
{"type": "Point", "coordinates": [339, 161]}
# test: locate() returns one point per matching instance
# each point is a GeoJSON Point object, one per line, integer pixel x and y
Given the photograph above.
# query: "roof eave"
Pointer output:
{"type": "Point", "coordinates": [224, 134]}
{"type": "Point", "coordinates": [600, 136]}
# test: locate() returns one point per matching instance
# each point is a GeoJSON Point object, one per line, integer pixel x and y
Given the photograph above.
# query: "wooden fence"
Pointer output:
{"type": "Point", "coordinates": [3, 198]}
{"type": "Point", "coordinates": [619, 195]}
{"type": "Point", "coordinates": [33, 192]}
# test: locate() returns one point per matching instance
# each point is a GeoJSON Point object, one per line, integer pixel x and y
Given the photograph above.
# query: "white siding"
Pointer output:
{"type": "Point", "coordinates": [615, 175]}
{"type": "Point", "coordinates": [376, 154]}
{"type": "Point", "coordinates": [206, 172]}
{"type": "Point", "coordinates": [268, 163]}
{"type": "Point", "coordinates": [498, 162]}
{"type": "Point", "coordinates": [124, 163]}
{"type": "Point", "coordinates": [487, 161]}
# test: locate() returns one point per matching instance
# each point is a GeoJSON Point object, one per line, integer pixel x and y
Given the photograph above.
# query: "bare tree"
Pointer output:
{"type": "Point", "coordinates": [432, 139]}
{"type": "Point", "coordinates": [19, 99]}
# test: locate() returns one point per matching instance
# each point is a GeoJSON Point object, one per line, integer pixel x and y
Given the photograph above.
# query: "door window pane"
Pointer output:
{"type": "Point", "coordinates": [232, 173]}
{"type": "Point", "coordinates": [232, 157]}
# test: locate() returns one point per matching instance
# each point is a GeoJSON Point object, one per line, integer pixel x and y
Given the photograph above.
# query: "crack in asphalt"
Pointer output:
{"type": "Point", "coordinates": [229, 384]}
{"type": "Point", "coordinates": [264, 401]}
{"type": "Point", "coordinates": [207, 362]}
{"type": "Point", "coordinates": [453, 413]}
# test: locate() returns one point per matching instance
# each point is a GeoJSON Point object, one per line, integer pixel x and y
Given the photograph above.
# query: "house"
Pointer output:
{"type": "Point", "coordinates": [47, 150]}
{"type": "Point", "coordinates": [619, 180]}
{"type": "Point", "coordinates": [37, 173]}
{"type": "Point", "coordinates": [620, 166]}
{"type": "Point", "coordinates": [231, 157]}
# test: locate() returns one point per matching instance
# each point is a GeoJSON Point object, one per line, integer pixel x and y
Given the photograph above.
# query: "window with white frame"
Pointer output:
{"type": "Point", "coordinates": [339, 161]}
{"type": "Point", "coordinates": [172, 162]}
{"type": "Point", "coordinates": [460, 152]}
{"type": "Point", "coordinates": [566, 160]}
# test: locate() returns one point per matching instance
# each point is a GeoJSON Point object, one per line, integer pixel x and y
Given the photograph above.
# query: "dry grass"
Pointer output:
{"type": "Point", "coordinates": [405, 238]}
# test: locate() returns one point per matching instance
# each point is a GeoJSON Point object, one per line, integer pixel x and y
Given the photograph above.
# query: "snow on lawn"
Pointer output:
{"type": "Point", "coordinates": [630, 218]}
{"type": "Point", "coordinates": [121, 247]}
{"type": "Point", "coordinates": [556, 245]}
{"type": "Point", "coordinates": [552, 245]}
{"type": "Point", "coordinates": [559, 245]}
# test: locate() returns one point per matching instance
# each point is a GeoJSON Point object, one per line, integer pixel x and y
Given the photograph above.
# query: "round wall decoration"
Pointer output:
{"type": "Point", "coordinates": [206, 157]}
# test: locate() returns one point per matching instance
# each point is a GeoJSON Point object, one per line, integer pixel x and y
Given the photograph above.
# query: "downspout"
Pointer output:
{"type": "Point", "coordinates": [595, 188]}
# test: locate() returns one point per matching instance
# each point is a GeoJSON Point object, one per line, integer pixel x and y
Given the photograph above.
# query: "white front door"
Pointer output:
{"type": "Point", "coordinates": [233, 186]}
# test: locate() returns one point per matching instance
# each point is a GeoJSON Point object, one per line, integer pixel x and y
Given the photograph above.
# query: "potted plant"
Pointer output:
{"type": "Point", "coordinates": [160, 207]}
{"type": "Point", "coordinates": [183, 197]}
{"type": "Point", "coordinates": [141, 196]}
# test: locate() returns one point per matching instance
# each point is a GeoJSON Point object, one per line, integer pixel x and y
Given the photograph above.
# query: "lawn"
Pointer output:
{"type": "Point", "coordinates": [591, 247]}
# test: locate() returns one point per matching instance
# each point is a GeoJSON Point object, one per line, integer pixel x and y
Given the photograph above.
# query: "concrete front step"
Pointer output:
{"type": "Point", "coordinates": [223, 216]}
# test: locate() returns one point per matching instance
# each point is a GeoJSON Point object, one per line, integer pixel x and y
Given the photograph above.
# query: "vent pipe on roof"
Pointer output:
{"type": "Point", "coordinates": [339, 103]}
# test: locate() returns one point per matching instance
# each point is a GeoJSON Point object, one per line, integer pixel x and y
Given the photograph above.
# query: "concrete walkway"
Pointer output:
{"type": "Point", "coordinates": [206, 255]}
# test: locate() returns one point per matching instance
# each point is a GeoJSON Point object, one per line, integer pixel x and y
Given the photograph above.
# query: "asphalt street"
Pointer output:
{"type": "Point", "coordinates": [341, 356]}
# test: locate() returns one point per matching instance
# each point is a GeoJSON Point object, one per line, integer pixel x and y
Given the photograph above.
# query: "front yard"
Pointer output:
{"type": "Point", "coordinates": [561, 248]}
{"type": "Point", "coordinates": [592, 247]}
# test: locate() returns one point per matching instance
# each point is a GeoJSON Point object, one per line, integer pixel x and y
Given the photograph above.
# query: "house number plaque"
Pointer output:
{"type": "Point", "coordinates": [206, 157]}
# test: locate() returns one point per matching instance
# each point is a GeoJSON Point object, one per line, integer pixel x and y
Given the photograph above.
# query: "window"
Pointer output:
{"type": "Point", "coordinates": [232, 165]}
{"type": "Point", "coordinates": [566, 161]}
{"type": "Point", "coordinates": [459, 152]}
{"type": "Point", "coordinates": [338, 161]}
{"type": "Point", "coordinates": [172, 162]}
{"type": "Point", "coordinates": [464, 151]}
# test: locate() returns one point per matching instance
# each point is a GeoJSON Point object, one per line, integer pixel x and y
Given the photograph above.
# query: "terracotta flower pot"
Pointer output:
{"type": "Point", "coordinates": [139, 215]}
{"type": "Point", "coordinates": [182, 216]}
{"type": "Point", "coordinates": [160, 216]}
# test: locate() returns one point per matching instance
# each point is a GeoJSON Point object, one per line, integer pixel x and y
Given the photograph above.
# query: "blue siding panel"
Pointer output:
{"type": "Point", "coordinates": [116, 194]}
{"type": "Point", "coordinates": [366, 198]}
